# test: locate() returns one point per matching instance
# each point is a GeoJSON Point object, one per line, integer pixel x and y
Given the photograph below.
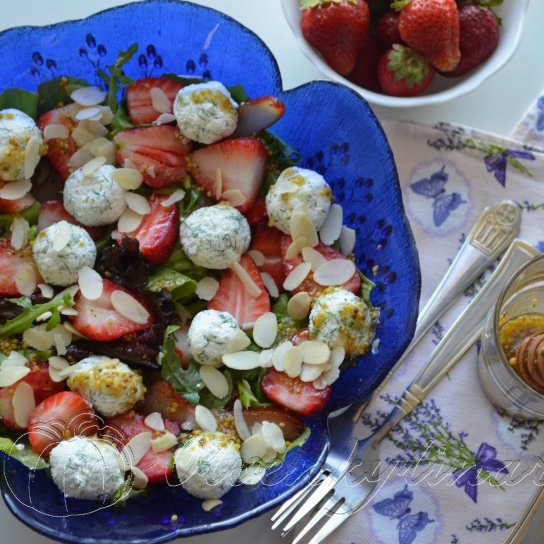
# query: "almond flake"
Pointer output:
{"type": "Point", "coordinates": [273, 436]}
{"type": "Point", "coordinates": [335, 272]}
{"type": "Point", "coordinates": [60, 346]}
{"type": "Point", "coordinates": [26, 279]}
{"type": "Point", "coordinates": [134, 450]}
{"type": "Point", "coordinates": [207, 288]}
{"type": "Point", "coordinates": [12, 374]}
{"type": "Point", "coordinates": [312, 256]}
{"type": "Point", "coordinates": [330, 376]}
{"type": "Point", "coordinates": [38, 338]}
{"type": "Point", "coordinates": [251, 287]}
{"type": "Point", "coordinates": [23, 403]}
{"type": "Point", "coordinates": [82, 136]}
{"type": "Point", "coordinates": [71, 290]}
{"type": "Point", "coordinates": [94, 145]}
{"type": "Point", "coordinates": [218, 183]}
{"type": "Point", "coordinates": [129, 307]}
{"type": "Point", "coordinates": [177, 196]}
{"type": "Point", "coordinates": [80, 157]}
{"type": "Point", "coordinates": [56, 365]}
{"type": "Point", "coordinates": [337, 357]}
{"type": "Point", "coordinates": [347, 240]}
{"type": "Point", "coordinates": [68, 311]}
{"type": "Point", "coordinates": [93, 165]}
{"type": "Point", "coordinates": [128, 178]}
{"type": "Point", "coordinates": [210, 504]}
{"type": "Point", "coordinates": [90, 283]}
{"type": "Point", "coordinates": [95, 127]}
{"type": "Point", "coordinates": [284, 186]}
{"type": "Point", "coordinates": [320, 383]}
{"type": "Point", "coordinates": [46, 290]}
{"type": "Point", "coordinates": [238, 342]}
{"type": "Point", "coordinates": [241, 360]}
{"type": "Point", "coordinates": [106, 115]}
{"type": "Point", "coordinates": [297, 276]}
{"type": "Point", "coordinates": [72, 330]}
{"type": "Point", "coordinates": [239, 421]}
{"type": "Point", "coordinates": [301, 226]}
{"type": "Point", "coordinates": [155, 421]}
{"type": "Point", "coordinates": [159, 100]}
{"type": "Point", "coordinates": [140, 478]}
{"type": "Point", "coordinates": [164, 442]}
{"type": "Point", "coordinates": [151, 171]}
{"type": "Point", "coordinates": [19, 232]}
{"type": "Point", "coordinates": [137, 203]}
{"type": "Point", "coordinates": [129, 221]}
{"type": "Point", "coordinates": [265, 358]}
{"type": "Point", "coordinates": [315, 352]}
{"type": "Point", "coordinates": [14, 359]}
{"type": "Point", "coordinates": [252, 475]}
{"type": "Point", "coordinates": [292, 361]}
{"type": "Point", "coordinates": [257, 256]}
{"type": "Point", "coordinates": [299, 306]}
{"type": "Point", "coordinates": [51, 132]}
{"type": "Point", "coordinates": [88, 96]}
{"type": "Point", "coordinates": [265, 330]}
{"type": "Point", "coordinates": [295, 247]}
{"type": "Point", "coordinates": [43, 317]}
{"type": "Point", "coordinates": [332, 227]}
{"type": "Point", "coordinates": [164, 119]}
{"type": "Point", "coordinates": [279, 354]}
{"type": "Point", "coordinates": [309, 373]}
{"type": "Point", "coordinates": [205, 419]}
{"type": "Point", "coordinates": [92, 112]}
{"type": "Point", "coordinates": [63, 233]}
{"type": "Point", "coordinates": [215, 381]}
{"type": "Point", "coordinates": [15, 189]}
{"type": "Point", "coordinates": [253, 449]}
{"type": "Point", "coordinates": [270, 284]}
{"type": "Point", "coordinates": [32, 156]}
{"type": "Point", "coordinates": [234, 196]}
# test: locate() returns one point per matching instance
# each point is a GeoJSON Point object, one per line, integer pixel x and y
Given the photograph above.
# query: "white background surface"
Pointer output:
{"type": "Point", "coordinates": [496, 106]}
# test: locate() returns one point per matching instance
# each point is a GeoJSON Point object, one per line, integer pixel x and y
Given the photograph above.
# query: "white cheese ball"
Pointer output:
{"type": "Point", "coordinates": [208, 465]}
{"type": "Point", "coordinates": [298, 189]}
{"type": "Point", "coordinates": [62, 267]}
{"type": "Point", "coordinates": [340, 318]}
{"type": "Point", "coordinates": [16, 130]}
{"type": "Point", "coordinates": [86, 468]}
{"type": "Point", "coordinates": [112, 387]}
{"type": "Point", "coordinates": [215, 237]}
{"type": "Point", "coordinates": [205, 112]}
{"type": "Point", "coordinates": [209, 335]}
{"type": "Point", "coordinates": [96, 199]}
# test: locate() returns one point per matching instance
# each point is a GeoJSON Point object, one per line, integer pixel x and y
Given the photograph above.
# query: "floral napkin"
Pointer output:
{"type": "Point", "coordinates": [458, 472]}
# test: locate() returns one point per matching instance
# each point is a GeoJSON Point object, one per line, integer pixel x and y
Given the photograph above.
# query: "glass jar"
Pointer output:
{"type": "Point", "coordinates": [520, 303]}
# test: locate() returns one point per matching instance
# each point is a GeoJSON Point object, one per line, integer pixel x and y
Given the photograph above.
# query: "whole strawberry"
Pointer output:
{"type": "Point", "coordinates": [432, 28]}
{"type": "Point", "coordinates": [404, 72]}
{"type": "Point", "coordinates": [336, 28]}
{"type": "Point", "coordinates": [388, 28]}
{"type": "Point", "coordinates": [365, 72]}
{"type": "Point", "coordinates": [479, 33]}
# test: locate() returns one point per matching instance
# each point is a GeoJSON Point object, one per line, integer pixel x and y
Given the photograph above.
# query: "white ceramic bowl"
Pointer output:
{"type": "Point", "coordinates": [512, 14]}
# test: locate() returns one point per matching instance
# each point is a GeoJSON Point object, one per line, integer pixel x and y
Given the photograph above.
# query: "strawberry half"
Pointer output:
{"type": "Point", "coordinates": [59, 417]}
{"type": "Point", "coordinates": [158, 231]}
{"type": "Point", "coordinates": [98, 319]}
{"type": "Point", "coordinates": [233, 297]}
{"type": "Point", "coordinates": [10, 262]}
{"type": "Point", "coordinates": [240, 162]}
{"type": "Point", "coordinates": [16, 206]}
{"type": "Point", "coordinates": [156, 466]}
{"type": "Point", "coordinates": [139, 103]}
{"type": "Point", "coordinates": [59, 150]}
{"type": "Point", "coordinates": [309, 285]}
{"type": "Point", "coordinates": [257, 212]}
{"type": "Point", "coordinates": [160, 153]}
{"type": "Point", "coordinates": [293, 394]}
{"type": "Point", "coordinates": [257, 114]}
{"type": "Point", "coordinates": [267, 240]}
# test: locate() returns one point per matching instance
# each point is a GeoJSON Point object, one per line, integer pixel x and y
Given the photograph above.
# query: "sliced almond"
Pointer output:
{"type": "Point", "coordinates": [253, 449]}
{"type": "Point", "coordinates": [96, 144]}
{"type": "Point", "coordinates": [218, 183]}
{"type": "Point", "coordinates": [301, 226]}
{"type": "Point", "coordinates": [43, 317]}
{"type": "Point", "coordinates": [88, 96]}
{"type": "Point", "coordinates": [177, 196]}
{"type": "Point", "coordinates": [164, 442]}
{"type": "Point", "coordinates": [284, 186]}
{"type": "Point", "coordinates": [332, 227]}
{"type": "Point", "coordinates": [241, 360]}
{"type": "Point", "coordinates": [14, 190]}
{"type": "Point", "coordinates": [312, 256]}
{"type": "Point", "coordinates": [297, 276]}
{"type": "Point", "coordinates": [56, 365]}
{"type": "Point", "coordinates": [251, 287]}
{"type": "Point", "coordinates": [320, 383]}
{"type": "Point", "coordinates": [140, 478]}
{"type": "Point", "coordinates": [129, 221]}
{"type": "Point", "coordinates": [159, 100]}
{"type": "Point", "coordinates": [155, 421]}
{"type": "Point", "coordinates": [257, 256]}
{"type": "Point", "coordinates": [90, 283]}
{"type": "Point", "coordinates": [270, 284]}
{"type": "Point", "coordinates": [273, 436]}
{"type": "Point", "coordinates": [265, 330]}
{"type": "Point", "coordinates": [335, 272]}
{"type": "Point", "coordinates": [128, 178]}
{"type": "Point", "coordinates": [68, 311]}
{"type": "Point", "coordinates": [80, 157]}
{"type": "Point", "coordinates": [19, 232]}
{"type": "Point", "coordinates": [72, 330]}
{"type": "Point", "coordinates": [26, 279]}
{"type": "Point", "coordinates": [63, 234]}
{"type": "Point", "coordinates": [51, 132]}
{"type": "Point", "coordinates": [315, 352]}
{"type": "Point", "coordinates": [106, 115]}
{"type": "Point", "coordinates": [96, 128]}
{"type": "Point", "coordinates": [134, 450]}
{"type": "Point", "coordinates": [347, 240]}
{"type": "Point", "coordinates": [93, 165]}
{"type": "Point", "coordinates": [205, 419]}
{"type": "Point", "coordinates": [12, 374]}
{"type": "Point", "coordinates": [265, 358]}
{"type": "Point", "coordinates": [60, 345]}
{"type": "Point", "coordinates": [239, 421]}
{"type": "Point", "coordinates": [207, 288]}
{"type": "Point", "coordinates": [295, 247]}
{"type": "Point", "coordinates": [46, 290]}
{"type": "Point", "coordinates": [23, 403]}
{"type": "Point", "coordinates": [32, 156]}
{"type": "Point", "coordinates": [234, 196]}
{"type": "Point", "coordinates": [210, 504]}
{"type": "Point", "coordinates": [215, 381]}
{"type": "Point", "coordinates": [338, 354]}
{"type": "Point", "coordinates": [164, 119]}
{"type": "Point", "coordinates": [331, 375]}
{"type": "Point", "coordinates": [292, 361]}
{"type": "Point", "coordinates": [252, 475]}
{"type": "Point", "coordinates": [38, 338]}
{"type": "Point", "coordinates": [279, 355]}
{"type": "Point", "coordinates": [309, 373]}
{"type": "Point", "coordinates": [238, 342]}
{"type": "Point", "coordinates": [129, 307]}
{"type": "Point", "coordinates": [137, 203]}
{"type": "Point", "coordinates": [92, 112]}
{"type": "Point", "coordinates": [299, 306]}
{"type": "Point", "coordinates": [82, 136]}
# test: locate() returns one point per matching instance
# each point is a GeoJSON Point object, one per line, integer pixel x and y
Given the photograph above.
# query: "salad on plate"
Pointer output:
{"type": "Point", "coordinates": [176, 293]}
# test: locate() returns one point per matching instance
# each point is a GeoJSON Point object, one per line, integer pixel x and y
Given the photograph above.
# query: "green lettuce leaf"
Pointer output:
{"type": "Point", "coordinates": [180, 286]}
{"type": "Point", "coordinates": [246, 395]}
{"type": "Point", "coordinates": [366, 288]}
{"type": "Point", "coordinates": [19, 99]}
{"type": "Point", "coordinates": [30, 214]}
{"type": "Point", "coordinates": [179, 262]}
{"type": "Point", "coordinates": [8, 441]}
{"type": "Point", "coordinates": [55, 92]}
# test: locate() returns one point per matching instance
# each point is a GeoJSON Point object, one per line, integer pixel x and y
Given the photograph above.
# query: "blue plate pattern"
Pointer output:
{"type": "Point", "coordinates": [336, 133]}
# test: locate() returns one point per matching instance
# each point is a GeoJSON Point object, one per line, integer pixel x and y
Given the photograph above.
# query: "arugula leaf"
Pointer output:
{"type": "Point", "coordinates": [238, 93]}
{"type": "Point", "coordinates": [26, 456]}
{"type": "Point", "coordinates": [286, 324]}
{"type": "Point", "coordinates": [366, 288]}
{"type": "Point", "coordinates": [22, 302]}
{"type": "Point", "coordinates": [210, 401]}
{"type": "Point", "coordinates": [179, 285]}
{"type": "Point", "coordinates": [19, 99]}
{"type": "Point", "coordinates": [56, 92]}
{"type": "Point", "coordinates": [24, 320]}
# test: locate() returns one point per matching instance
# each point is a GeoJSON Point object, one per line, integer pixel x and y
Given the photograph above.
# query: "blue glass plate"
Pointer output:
{"type": "Point", "coordinates": [337, 135]}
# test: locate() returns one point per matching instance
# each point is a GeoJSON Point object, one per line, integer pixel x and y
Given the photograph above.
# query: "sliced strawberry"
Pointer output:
{"type": "Point", "coordinates": [16, 206]}
{"type": "Point", "coordinates": [160, 153]}
{"type": "Point", "coordinates": [240, 162]}
{"type": "Point", "coordinates": [233, 297]}
{"type": "Point", "coordinates": [257, 114]}
{"type": "Point", "coordinates": [59, 417]}
{"type": "Point", "coordinates": [293, 394]}
{"type": "Point", "coordinates": [156, 466]}
{"type": "Point", "coordinates": [139, 103]}
{"type": "Point", "coordinates": [158, 231]}
{"type": "Point", "coordinates": [10, 262]}
{"type": "Point", "coordinates": [54, 211]}
{"type": "Point", "coordinates": [98, 320]}
{"type": "Point", "coordinates": [59, 150]}
{"type": "Point", "coordinates": [257, 212]}
{"type": "Point", "coordinates": [290, 424]}
{"type": "Point", "coordinates": [309, 285]}
{"type": "Point", "coordinates": [267, 240]}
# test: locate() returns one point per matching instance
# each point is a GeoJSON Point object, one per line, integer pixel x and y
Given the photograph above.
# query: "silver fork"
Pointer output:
{"type": "Point", "coordinates": [492, 233]}
{"type": "Point", "coordinates": [354, 488]}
